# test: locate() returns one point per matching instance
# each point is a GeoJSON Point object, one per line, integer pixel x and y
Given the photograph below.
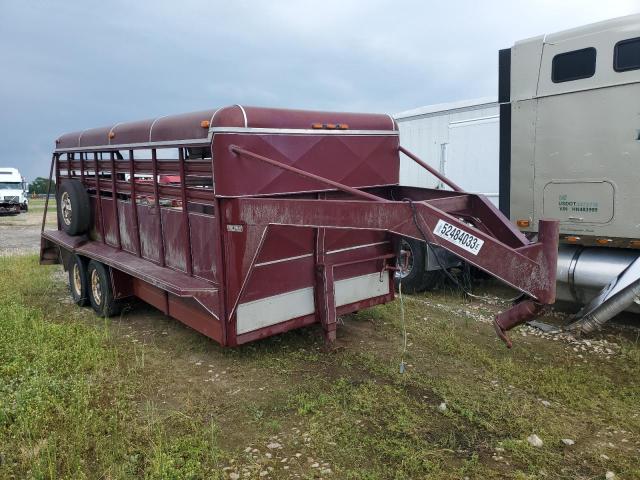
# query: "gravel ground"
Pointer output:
{"type": "Point", "coordinates": [20, 234]}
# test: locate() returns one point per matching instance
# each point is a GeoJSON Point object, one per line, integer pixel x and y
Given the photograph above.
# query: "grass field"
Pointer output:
{"type": "Point", "coordinates": [143, 397]}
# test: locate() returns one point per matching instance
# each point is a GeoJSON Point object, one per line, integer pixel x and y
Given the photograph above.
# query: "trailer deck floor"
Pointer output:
{"type": "Point", "coordinates": [165, 278]}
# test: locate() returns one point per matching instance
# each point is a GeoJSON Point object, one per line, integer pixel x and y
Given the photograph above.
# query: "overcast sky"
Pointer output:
{"type": "Point", "coordinates": [69, 65]}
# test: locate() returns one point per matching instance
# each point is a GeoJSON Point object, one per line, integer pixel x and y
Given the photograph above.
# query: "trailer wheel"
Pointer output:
{"type": "Point", "coordinates": [74, 210]}
{"type": "Point", "coordinates": [414, 277]}
{"type": "Point", "coordinates": [100, 290]}
{"type": "Point", "coordinates": [77, 270]}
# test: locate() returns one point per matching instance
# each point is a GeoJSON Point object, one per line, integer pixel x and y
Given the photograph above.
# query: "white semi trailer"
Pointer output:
{"type": "Point", "coordinates": [569, 148]}
{"type": "Point", "coordinates": [13, 191]}
{"type": "Point", "coordinates": [461, 141]}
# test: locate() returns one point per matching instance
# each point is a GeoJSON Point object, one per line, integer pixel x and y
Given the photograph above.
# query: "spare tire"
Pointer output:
{"type": "Point", "coordinates": [74, 211]}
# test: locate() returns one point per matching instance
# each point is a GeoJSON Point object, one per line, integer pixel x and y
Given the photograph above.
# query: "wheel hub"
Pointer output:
{"type": "Point", "coordinates": [65, 208]}
{"type": "Point", "coordinates": [96, 287]}
{"type": "Point", "coordinates": [77, 279]}
{"type": "Point", "coordinates": [405, 262]}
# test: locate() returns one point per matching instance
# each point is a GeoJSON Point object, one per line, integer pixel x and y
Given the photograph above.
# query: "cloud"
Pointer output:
{"type": "Point", "coordinates": [78, 64]}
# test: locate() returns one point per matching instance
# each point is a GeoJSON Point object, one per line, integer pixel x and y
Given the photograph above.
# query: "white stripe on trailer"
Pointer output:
{"type": "Point", "coordinates": [355, 289]}
{"type": "Point", "coordinates": [269, 311]}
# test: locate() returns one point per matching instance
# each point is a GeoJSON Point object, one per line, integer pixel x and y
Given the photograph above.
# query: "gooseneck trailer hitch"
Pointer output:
{"type": "Point", "coordinates": [467, 225]}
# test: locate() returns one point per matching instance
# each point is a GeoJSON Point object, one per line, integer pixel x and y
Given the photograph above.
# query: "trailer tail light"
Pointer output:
{"type": "Point", "coordinates": [330, 126]}
{"type": "Point", "coordinates": [204, 123]}
{"type": "Point", "coordinates": [603, 241]}
{"type": "Point", "coordinates": [523, 223]}
{"type": "Point", "coordinates": [572, 239]}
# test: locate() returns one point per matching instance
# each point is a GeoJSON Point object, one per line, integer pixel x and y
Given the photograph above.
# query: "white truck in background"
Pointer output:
{"type": "Point", "coordinates": [13, 192]}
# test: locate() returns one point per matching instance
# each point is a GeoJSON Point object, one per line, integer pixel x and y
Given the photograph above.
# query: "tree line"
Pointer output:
{"type": "Point", "coordinates": [41, 185]}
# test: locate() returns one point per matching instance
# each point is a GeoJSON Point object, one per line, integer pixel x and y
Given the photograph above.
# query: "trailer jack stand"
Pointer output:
{"type": "Point", "coordinates": [326, 302]}
{"type": "Point", "coordinates": [516, 315]}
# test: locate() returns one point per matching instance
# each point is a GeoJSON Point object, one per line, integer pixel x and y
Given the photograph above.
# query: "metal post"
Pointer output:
{"type": "Point", "coordinates": [154, 168]}
{"type": "Point", "coordinates": [324, 291]}
{"type": "Point", "coordinates": [54, 159]}
{"type": "Point", "coordinates": [57, 164]}
{"type": "Point", "coordinates": [82, 168]}
{"type": "Point", "coordinates": [185, 212]}
{"type": "Point", "coordinates": [431, 170]}
{"type": "Point", "coordinates": [114, 198]}
{"type": "Point", "coordinates": [99, 197]}
{"type": "Point", "coordinates": [134, 202]}
{"type": "Point", "coordinates": [326, 301]}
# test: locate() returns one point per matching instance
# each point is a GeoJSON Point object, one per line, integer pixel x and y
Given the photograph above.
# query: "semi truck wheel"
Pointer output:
{"type": "Point", "coordinates": [100, 290]}
{"type": "Point", "coordinates": [77, 270]}
{"type": "Point", "coordinates": [74, 210]}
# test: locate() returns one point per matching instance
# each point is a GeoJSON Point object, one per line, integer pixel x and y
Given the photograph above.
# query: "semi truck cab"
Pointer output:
{"type": "Point", "coordinates": [569, 150]}
{"type": "Point", "coordinates": [13, 194]}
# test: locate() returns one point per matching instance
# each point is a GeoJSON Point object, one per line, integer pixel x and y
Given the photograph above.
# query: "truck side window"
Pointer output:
{"type": "Point", "coordinates": [626, 55]}
{"type": "Point", "coordinates": [573, 65]}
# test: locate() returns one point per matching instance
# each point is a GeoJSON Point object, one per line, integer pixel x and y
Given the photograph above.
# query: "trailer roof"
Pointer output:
{"type": "Point", "coordinates": [196, 127]}
{"type": "Point", "coordinates": [626, 23]}
{"type": "Point", "coordinates": [447, 107]}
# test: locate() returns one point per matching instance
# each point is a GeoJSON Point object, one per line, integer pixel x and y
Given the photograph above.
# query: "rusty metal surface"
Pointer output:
{"type": "Point", "coordinates": [186, 126]}
{"type": "Point", "coordinates": [291, 209]}
{"type": "Point", "coordinates": [353, 161]}
{"type": "Point", "coordinates": [166, 279]}
{"type": "Point", "coordinates": [528, 270]}
{"type": "Point", "coordinates": [258, 117]}
{"type": "Point", "coordinates": [189, 126]}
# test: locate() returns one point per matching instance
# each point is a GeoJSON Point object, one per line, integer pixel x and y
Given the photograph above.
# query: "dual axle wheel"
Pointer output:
{"type": "Point", "coordinates": [90, 283]}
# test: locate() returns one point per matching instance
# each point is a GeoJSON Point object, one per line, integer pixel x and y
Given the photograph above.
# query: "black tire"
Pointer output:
{"type": "Point", "coordinates": [77, 270]}
{"type": "Point", "coordinates": [100, 290]}
{"type": "Point", "coordinates": [431, 280]}
{"type": "Point", "coordinates": [416, 278]}
{"type": "Point", "coordinates": [74, 210]}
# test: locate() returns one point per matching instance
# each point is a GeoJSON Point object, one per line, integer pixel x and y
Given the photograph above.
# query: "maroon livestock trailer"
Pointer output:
{"type": "Point", "coordinates": [271, 220]}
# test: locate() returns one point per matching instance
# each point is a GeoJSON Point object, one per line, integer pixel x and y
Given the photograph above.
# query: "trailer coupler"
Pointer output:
{"type": "Point", "coordinates": [517, 315]}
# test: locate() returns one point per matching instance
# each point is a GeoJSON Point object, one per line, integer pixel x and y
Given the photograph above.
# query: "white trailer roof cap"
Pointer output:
{"type": "Point", "coordinates": [443, 107]}
{"type": "Point", "coordinates": [614, 23]}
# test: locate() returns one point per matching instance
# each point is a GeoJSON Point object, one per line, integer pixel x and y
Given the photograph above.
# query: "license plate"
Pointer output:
{"type": "Point", "coordinates": [459, 237]}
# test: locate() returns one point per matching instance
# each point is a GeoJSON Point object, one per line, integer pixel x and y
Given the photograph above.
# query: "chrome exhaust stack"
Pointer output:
{"type": "Point", "coordinates": [607, 281]}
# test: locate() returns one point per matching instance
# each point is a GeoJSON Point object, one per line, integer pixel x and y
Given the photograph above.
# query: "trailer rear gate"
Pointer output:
{"type": "Point", "coordinates": [247, 222]}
